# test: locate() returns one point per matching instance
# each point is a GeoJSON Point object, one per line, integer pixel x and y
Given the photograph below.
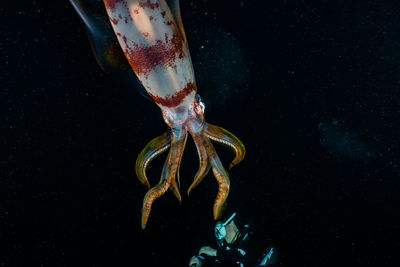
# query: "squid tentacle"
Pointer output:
{"type": "Point", "coordinates": [168, 174]}
{"type": "Point", "coordinates": [179, 167]}
{"type": "Point", "coordinates": [226, 138]}
{"type": "Point", "coordinates": [152, 195]}
{"type": "Point", "coordinates": [222, 177]}
{"type": "Point", "coordinates": [204, 162]}
{"type": "Point", "coordinates": [153, 149]}
{"type": "Point", "coordinates": [209, 158]}
{"type": "Point", "coordinates": [175, 183]}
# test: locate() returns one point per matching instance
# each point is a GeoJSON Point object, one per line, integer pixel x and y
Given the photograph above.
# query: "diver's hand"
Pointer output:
{"type": "Point", "coordinates": [208, 251]}
{"type": "Point", "coordinates": [194, 262]}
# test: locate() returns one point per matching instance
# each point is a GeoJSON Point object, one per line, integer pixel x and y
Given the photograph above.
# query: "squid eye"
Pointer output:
{"type": "Point", "coordinates": [200, 107]}
{"type": "Point", "coordinates": [168, 117]}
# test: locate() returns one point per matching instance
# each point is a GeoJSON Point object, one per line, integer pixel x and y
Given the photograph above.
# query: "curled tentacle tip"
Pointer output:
{"type": "Point", "coordinates": [176, 193]}
{"type": "Point", "coordinates": [235, 162]}
{"type": "Point", "coordinates": [144, 222]}
{"type": "Point", "coordinates": [189, 190]}
{"type": "Point", "coordinates": [217, 211]}
{"type": "Point", "coordinates": [179, 198]}
{"type": "Point", "coordinates": [144, 181]}
{"type": "Point", "coordinates": [217, 215]}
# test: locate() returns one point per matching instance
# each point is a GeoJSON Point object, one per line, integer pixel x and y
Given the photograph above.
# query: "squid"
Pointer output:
{"type": "Point", "coordinates": [152, 41]}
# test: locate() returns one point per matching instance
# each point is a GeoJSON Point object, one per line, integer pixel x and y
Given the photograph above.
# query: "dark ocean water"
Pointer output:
{"type": "Point", "coordinates": [312, 88]}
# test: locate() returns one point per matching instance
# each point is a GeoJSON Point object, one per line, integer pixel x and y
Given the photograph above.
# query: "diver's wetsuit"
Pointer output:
{"type": "Point", "coordinates": [242, 252]}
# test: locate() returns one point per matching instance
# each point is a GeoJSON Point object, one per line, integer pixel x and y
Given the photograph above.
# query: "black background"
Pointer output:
{"type": "Point", "coordinates": [70, 136]}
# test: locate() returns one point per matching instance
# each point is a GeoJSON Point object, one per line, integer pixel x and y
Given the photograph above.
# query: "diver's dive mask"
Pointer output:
{"type": "Point", "coordinates": [220, 231]}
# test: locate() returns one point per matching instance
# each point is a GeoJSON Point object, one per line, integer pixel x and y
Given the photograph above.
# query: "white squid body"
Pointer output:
{"type": "Point", "coordinates": [156, 49]}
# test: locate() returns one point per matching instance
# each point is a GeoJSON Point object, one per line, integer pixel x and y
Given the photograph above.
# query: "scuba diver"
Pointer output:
{"type": "Point", "coordinates": [233, 248]}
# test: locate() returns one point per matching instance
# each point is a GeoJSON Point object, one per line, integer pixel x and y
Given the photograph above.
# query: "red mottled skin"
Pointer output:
{"type": "Point", "coordinates": [110, 4]}
{"type": "Point", "coordinates": [175, 99]}
{"type": "Point", "coordinates": [148, 4]}
{"type": "Point", "coordinates": [145, 58]}
{"type": "Point", "coordinates": [114, 21]}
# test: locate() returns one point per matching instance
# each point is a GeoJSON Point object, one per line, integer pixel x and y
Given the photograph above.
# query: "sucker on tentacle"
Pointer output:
{"type": "Point", "coordinates": [226, 138]}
